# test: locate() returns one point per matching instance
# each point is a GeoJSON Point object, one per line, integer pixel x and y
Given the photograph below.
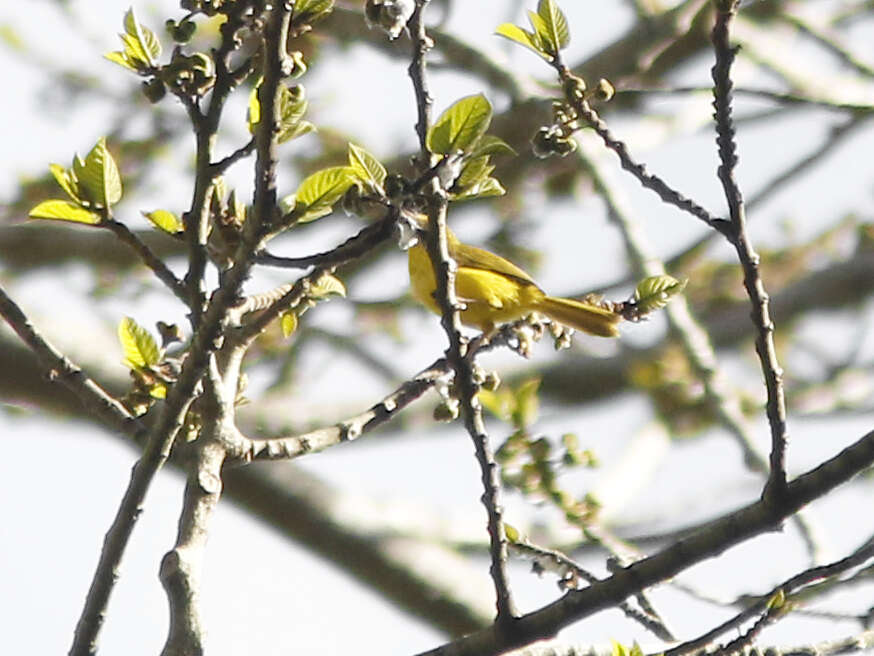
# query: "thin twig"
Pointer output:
{"type": "Point", "coordinates": [652, 182]}
{"type": "Point", "coordinates": [287, 448]}
{"type": "Point", "coordinates": [788, 587]}
{"type": "Point", "coordinates": [792, 99]}
{"type": "Point", "coordinates": [714, 538]}
{"type": "Point", "coordinates": [289, 297]}
{"type": "Point", "coordinates": [830, 42]}
{"type": "Point", "coordinates": [161, 271]}
{"type": "Point", "coordinates": [219, 167]}
{"type": "Point", "coordinates": [471, 411]}
{"type": "Point", "coordinates": [571, 573]}
{"type": "Point", "coordinates": [368, 238]}
{"type": "Point", "coordinates": [749, 259]}
{"type": "Point", "coordinates": [206, 126]}
{"type": "Point", "coordinates": [693, 339]}
{"type": "Point", "coordinates": [96, 400]}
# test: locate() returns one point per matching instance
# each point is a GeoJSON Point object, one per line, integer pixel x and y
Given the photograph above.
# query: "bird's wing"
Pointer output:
{"type": "Point", "coordinates": [477, 258]}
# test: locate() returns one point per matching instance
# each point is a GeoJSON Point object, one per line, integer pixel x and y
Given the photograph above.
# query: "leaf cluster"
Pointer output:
{"type": "Point", "coordinates": [531, 463]}
{"type": "Point", "coordinates": [461, 128]}
{"type": "Point", "coordinates": [549, 31]}
{"type": "Point", "coordinates": [141, 47]}
{"type": "Point", "coordinates": [93, 186]}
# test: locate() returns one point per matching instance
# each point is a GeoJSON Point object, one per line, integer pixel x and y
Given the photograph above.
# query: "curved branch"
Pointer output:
{"type": "Point", "coordinates": [721, 534]}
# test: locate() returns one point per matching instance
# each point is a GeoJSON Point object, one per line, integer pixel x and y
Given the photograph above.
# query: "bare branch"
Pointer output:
{"type": "Point", "coordinates": [711, 540]}
{"type": "Point", "coordinates": [749, 259]}
{"type": "Point", "coordinates": [444, 272]}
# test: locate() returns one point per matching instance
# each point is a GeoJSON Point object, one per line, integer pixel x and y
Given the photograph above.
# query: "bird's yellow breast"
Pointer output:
{"type": "Point", "coordinates": [489, 297]}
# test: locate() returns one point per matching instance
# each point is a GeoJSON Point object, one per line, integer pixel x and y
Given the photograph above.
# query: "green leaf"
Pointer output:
{"type": "Point", "coordinates": [140, 348]}
{"type": "Point", "coordinates": [317, 194]}
{"type": "Point", "coordinates": [327, 285]}
{"type": "Point", "coordinates": [307, 11]}
{"type": "Point", "coordinates": [460, 126]}
{"type": "Point", "coordinates": [288, 323]}
{"type": "Point", "coordinates": [158, 391]}
{"type": "Point", "coordinates": [64, 210]}
{"type": "Point", "coordinates": [483, 189]}
{"type": "Point", "coordinates": [499, 402]}
{"type": "Point", "coordinates": [654, 292]}
{"type": "Point", "coordinates": [527, 403]}
{"type": "Point", "coordinates": [475, 169]}
{"type": "Point", "coordinates": [254, 113]}
{"type": "Point", "coordinates": [557, 32]}
{"type": "Point", "coordinates": [512, 533]}
{"type": "Point", "coordinates": [618, 649]}
{"type": "Point", "coordinates": [140, 42]}
{"type": "Point", "coordinates": [98, 176]}
{"type": "Point", "coordinates": [118, 57]}
{"type": "Point", "coordinates": [366, 168]}
{"type": "Point", "coordinates": [523, 37]}
{"type": "Point", "coordinates": [300, 129]}
{"type": "Point", "coordinates": [66, 180]}
{"type": "Point", "coordinates": [292, 107]}
{"type": "Point", "coordinates": [541, 34]}
{"type": "Point", "coordinates": [492, 145]}
{"type": "Point", "coordinates": [475, 181]}
{"type": "Point", "coordinates": [166, 221]}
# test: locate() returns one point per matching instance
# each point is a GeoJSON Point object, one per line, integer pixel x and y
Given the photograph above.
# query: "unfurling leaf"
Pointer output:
{"type": "Point", "coordinates": [141, 47]}
{"type": "Point", "coordinates": [475, 181]}
{"type": "Point", "coordinates": [288, 323]}
{"type": "Point", "coordinates": [557, 34]}
{"type": "Point", "coordinates": [327, 285]}
{"type": "Point", "coordinates": [527, 403]}
{"type": "Point", "coordinates": [460, 127]}
{"type": "Point", "coordinates": [292, 107]}
{"type": "Point", "coordinates": [528, 39]}
{"type": "Point", "coordinates": [64, 210]}
{"type": "Point", "coordinates": [66, 180]}
{"type": "Point", "coordinates": [654, 292]}
{"type": "Point", "coordinates": [512, 533]}
{"type": "Point", "coordinates": [550, 32]}
{"type": "Point", "coordinates": [140, 348]}
{"type": "Point", "coordinates": [97, 176]}
{"type": "Point", "coordinates": [317, 194]}
{"type": "Point", "coordinates": [366, 168]}
{"type": "Point", "coordinates": [309, 11]}
{"type": "Point", "coordinates": [166, 221]}
{"type": "Point", "coordinates": [499, 402]}
{"type": "Point", "coordinates": [492, 145]}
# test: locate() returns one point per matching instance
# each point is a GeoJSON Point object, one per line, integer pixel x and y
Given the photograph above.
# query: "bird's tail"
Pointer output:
{"type": "Point", "coordinates": [580, 316]}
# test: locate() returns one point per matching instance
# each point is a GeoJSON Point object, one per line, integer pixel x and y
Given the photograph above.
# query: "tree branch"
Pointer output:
{"type": "Point", "coordinates": [711, 540]}
{"type": "Point", "coordinates": [749, 259]}
{"type": "Point", "coordinates": [444, 271]}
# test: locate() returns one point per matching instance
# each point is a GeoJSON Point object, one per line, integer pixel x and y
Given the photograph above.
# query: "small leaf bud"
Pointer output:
{"type": "Point", "coordinates": [605, 90]}
{"type": "Point", "coordinates": [491, 381]}
{"type": "Point", "coordinates": [574, 88]}
{"type": "Point", "coordinates": [395, 185]}
{"type": "Point", "coordinates": [154, 90]}
{"type": "Point", "coordinates": [183, 32]}
{"type": "Point", "coordinates": [446, 411]}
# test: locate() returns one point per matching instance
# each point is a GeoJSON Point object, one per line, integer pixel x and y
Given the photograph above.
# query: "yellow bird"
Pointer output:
{"type": "Point", "coordinates": [495, 291]}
